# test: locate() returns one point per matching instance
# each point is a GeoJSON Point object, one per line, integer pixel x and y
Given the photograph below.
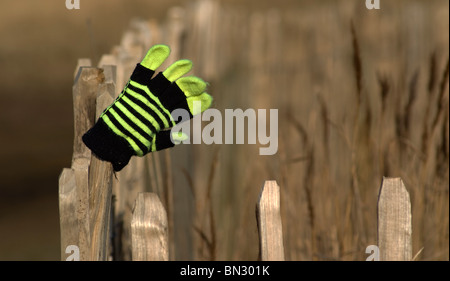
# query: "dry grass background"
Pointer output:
{"type": "Point", "coordinates": [353, 107]}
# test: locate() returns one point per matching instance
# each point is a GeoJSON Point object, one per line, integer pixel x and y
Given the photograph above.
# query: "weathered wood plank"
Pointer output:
{"type": "Point", "coordinates": [149, 229]}
{"type": "Point", "coordinates": [74, 183]}
{"type": "Point", "coordinates": [100, 179]}
{"type": "Point", "coordinates": [394, 221]}
{"type": "Point", "coordinates": [67, 208]}
{"type": "Point", "coordinates": [81, 171]}
{"type": "Point", "coordinates": [84, 95]}
{"type": "Point", "coordinates": [100, 184]}
{"type": "Point", "coordinates": [74, 210]}
{"type": "Point", "coordinates": [269, 223]}
{"type": "Point", "coordinates": [83, 62]}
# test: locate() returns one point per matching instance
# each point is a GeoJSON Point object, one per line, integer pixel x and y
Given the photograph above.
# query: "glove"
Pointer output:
{"type": "Point", "coordinates": [138, 121]}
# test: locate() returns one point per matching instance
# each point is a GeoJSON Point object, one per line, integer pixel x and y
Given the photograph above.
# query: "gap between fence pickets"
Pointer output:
{"type": "Point", "coordinates": [150, 234]}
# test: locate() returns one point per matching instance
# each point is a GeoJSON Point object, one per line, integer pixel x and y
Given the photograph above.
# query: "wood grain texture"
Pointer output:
{"type": "Point", "coordinates": [68, 207]}
{"type": "Point", "coordinates": [394, 221]}
{"type": "Point", "coordinates": [100, 181]}
{"type": "Point", "coordinates": [269, 223]}
{"type": "Point", "coordinates": [84, 90]}
{"type": "Point", "coordinates": [149, 229]}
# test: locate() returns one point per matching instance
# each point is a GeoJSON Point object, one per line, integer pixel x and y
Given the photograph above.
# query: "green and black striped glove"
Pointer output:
{"type": "Point", "coordinates": [138, 121]}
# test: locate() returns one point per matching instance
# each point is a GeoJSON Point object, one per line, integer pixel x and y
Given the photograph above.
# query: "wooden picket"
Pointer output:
{"type": "Point", "coordinates": [149, 229]}
{"type": "Point", "coordinates": [394, 221]}
{"type": "Point", "coordinates": [269, 223]}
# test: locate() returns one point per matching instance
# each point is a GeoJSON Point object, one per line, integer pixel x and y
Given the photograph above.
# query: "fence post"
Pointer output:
{"type": "Point", "coordinates": [100, 179]}
{"type": "Point", "coordinates": [69, 225]}
{"type": "Point", "coordinates": [269, 223]}
{"type": "Point", "coordinates": [74, 182]}
{"type": "Point", "coordinates": [394, 221]}
{"type": "Point", "coordinates": [149, 229]}
{"type": "Point", "coordinates": [84, 95]}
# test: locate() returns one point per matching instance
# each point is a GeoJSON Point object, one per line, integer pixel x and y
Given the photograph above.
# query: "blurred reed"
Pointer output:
{"type": "Point", "coordinates": [352, 92]}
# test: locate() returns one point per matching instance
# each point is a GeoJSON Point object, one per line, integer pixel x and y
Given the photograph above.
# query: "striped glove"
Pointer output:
{"type": "Point", "coordinates": [138, 121]}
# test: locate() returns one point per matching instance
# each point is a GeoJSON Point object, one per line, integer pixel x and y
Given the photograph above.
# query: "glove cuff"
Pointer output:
{"type": "Point", "coordinates": [108, 146]}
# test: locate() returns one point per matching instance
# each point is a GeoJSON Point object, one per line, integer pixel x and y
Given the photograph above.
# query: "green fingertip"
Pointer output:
{"type": "Point", "coordinates": [178, 137]}
{"type": "Point", "coordinates": [191, 86]}
{"type": "Point", "coordinates": [155, 56]}
{"type": "Point", "coordinates": [177, 69]}
{"type": "Point", "coordinates": [199, 103]}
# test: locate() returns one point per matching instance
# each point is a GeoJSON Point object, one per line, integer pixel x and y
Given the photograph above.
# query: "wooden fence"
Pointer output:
{"type": "Point", "coordinates": [90, 199]}
{"type": "Point", "coordinates": [86, 197]}
{"type": "Point", "coordinates": [122, 217]}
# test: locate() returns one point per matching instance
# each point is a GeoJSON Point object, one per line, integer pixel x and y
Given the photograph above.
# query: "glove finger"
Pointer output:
{"type": "Point", "coordinates": [166, 139]}
{"type": "Point", "coordinates": [177, 69]}
{"type": "Point", "coordinates": [199, 103]}
{"type": "Point", "coordinates": [155, 56]}
{"type": "Point", "coordinates": [191, 86]}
